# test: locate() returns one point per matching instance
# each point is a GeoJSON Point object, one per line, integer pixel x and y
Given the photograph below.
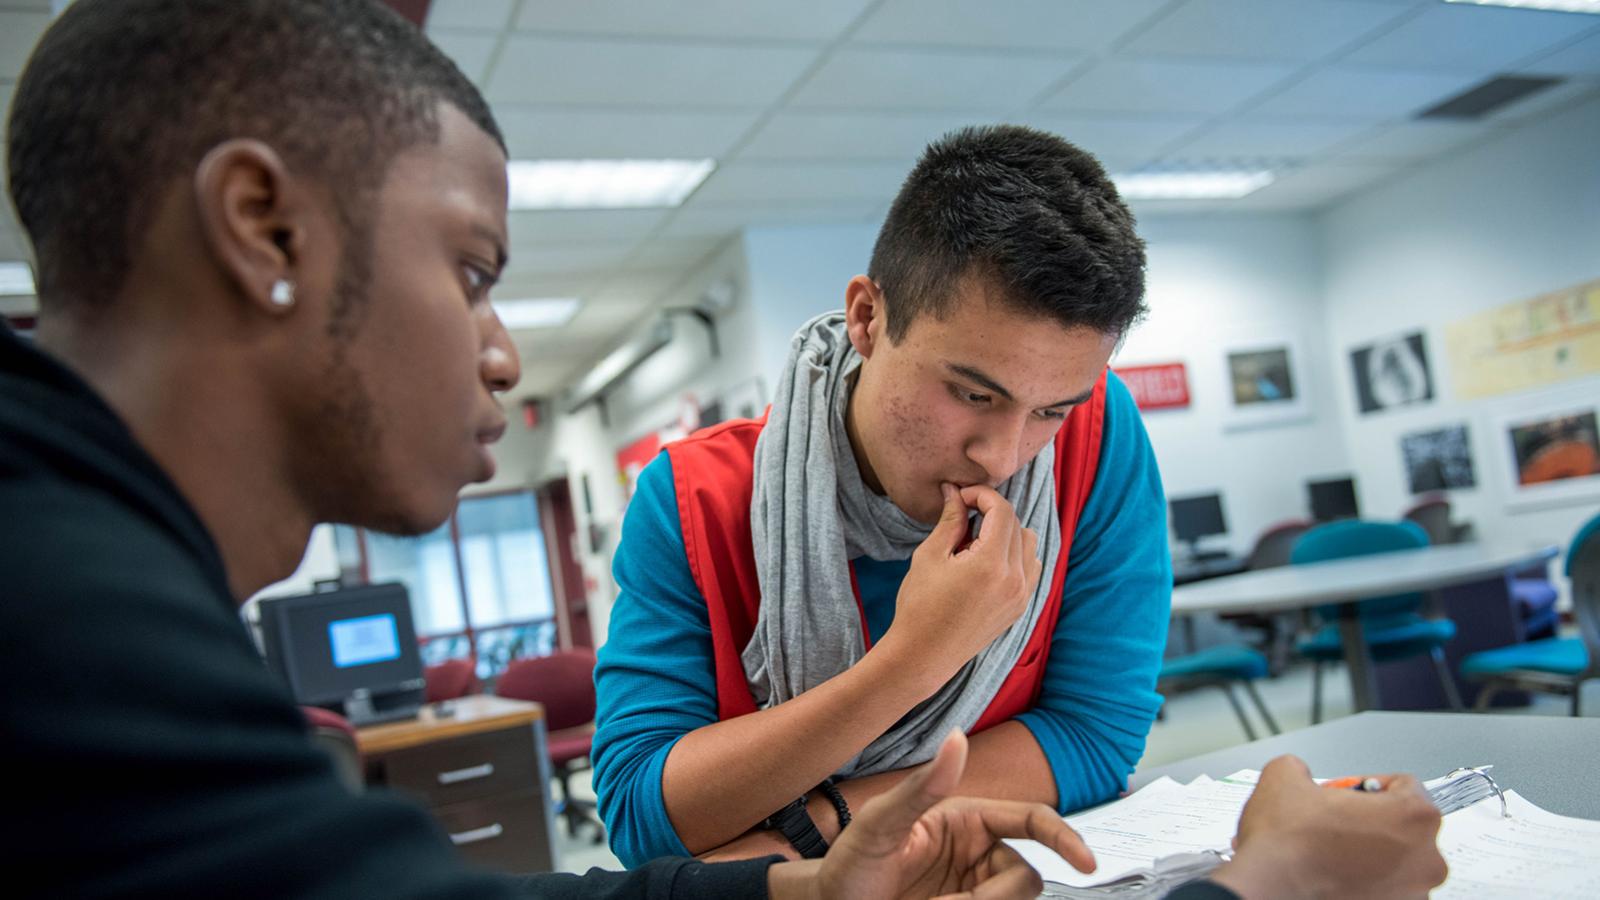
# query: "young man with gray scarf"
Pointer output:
{"type": "Point", "coordinates": [806, 606]}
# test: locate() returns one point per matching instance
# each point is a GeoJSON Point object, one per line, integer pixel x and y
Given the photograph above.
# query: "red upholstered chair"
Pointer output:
{"type": "Point", "coordinates": [451, 679]}
{"type": "Point", "coordinates": [564, 683]}
{"type": "Point", "coordinates": [337, 737]}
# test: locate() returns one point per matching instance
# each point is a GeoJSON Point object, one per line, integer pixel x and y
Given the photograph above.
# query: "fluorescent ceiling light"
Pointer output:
{"type": "Point", "coordinates": [16, 279]}
{"type": "Point", "coordinates": [545, 312]}
{"type": "Point", "coordinates": [1575, 6]}
{"type": "Point", "coordinates": [1191, 185]}
{"type": "Point", "coordinates": [604, 183]}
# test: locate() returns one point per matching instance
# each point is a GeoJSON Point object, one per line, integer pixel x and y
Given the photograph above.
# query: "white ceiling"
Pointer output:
{"type": "Point", "coordinates": [815, 110]}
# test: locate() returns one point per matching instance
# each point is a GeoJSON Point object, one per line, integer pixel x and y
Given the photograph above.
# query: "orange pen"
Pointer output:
{"type": "Point", "coordinates": [1357, 782]}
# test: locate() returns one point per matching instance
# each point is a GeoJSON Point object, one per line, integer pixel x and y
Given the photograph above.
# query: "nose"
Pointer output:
{"type": "Point", "coordinates": [498, 364]}
{"type": "Point", "coordinates": [998, 450]}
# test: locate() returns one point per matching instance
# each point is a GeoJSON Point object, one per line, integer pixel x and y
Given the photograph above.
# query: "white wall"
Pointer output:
{"type": "Point", "coordinates": [1501, 222]}
{"type": "Point", "coordinates": [797, 273]}
{"type": "Point", "coordinates": [1214, 281]}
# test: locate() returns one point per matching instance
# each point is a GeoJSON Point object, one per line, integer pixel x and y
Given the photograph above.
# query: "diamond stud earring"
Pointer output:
{"type": "Point", "coordinates": [282, 293]}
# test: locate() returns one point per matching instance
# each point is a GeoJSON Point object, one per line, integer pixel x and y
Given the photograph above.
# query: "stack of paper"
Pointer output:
{"type": "Point", "coordinates": [1170, 833]}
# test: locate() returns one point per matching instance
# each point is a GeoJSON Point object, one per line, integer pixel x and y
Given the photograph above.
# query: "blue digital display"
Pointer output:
{"type": "Point", "coordinates": [369, 639]}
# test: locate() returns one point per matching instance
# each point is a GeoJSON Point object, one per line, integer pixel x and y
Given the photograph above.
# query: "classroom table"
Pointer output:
{"type": "Point", "coordinates": [1345, 582]}
{"type": "Point", "coordinates": [1549, 760]}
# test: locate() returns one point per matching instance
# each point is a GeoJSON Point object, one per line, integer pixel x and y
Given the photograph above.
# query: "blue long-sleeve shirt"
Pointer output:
{"type": "Point", "coordinates": [656, 678]}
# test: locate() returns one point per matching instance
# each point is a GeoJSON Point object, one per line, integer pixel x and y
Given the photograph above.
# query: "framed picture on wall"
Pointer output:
{"type": "Point", "coordinates": [1266, 383]}
{"type": "Point", "coordinates": [1392, 373]}
{"type": "Point", "coordinates": [1550, 453]}
{"type": "Point", "coordinates": [1438, 460]}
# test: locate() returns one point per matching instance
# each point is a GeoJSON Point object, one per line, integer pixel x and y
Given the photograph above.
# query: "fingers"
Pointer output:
{"type": "Point", "coordinates": [1286, 769]}
{"type": "Point", "coordinates": [951, 528]}
{"type": "Point", "coordinates": [1031, 821]}
{"type": "Point", "coordinates": [1016, 880]}
{"type": "Point", "coordinates": [884, 821]}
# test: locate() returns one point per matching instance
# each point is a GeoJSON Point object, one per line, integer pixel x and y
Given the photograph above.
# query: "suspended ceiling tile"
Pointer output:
{"type": "Point", "coordinates": [930, 79]}
{"type": "Point", "coordinates": [1247, 138]}
{"type": "Point", "coordinates": [469, 50]}
{"type": "Point", "coordinates": [555, 132]}
{"type": "Point", "coordinates": [1117, 136]}
{"type": "Point", "coordinates": [753, 183]}
{"type": "Point", "coordinates": [1545, 102]}
{"type": "Point", "coordinates": [1460, 37]}
{"type": "Point", "coordinates": [532, 229]}
{"type": "Point", "coordinates": [729, 220]}
{"type": "Point", "coordinates": [1151, 86]}
{"type": "Point", "coordinates": [19, 31]}
{"type": "Point", "coordinates": [1410, 141]}
{"type": "Point", "coordinates": [1364, 93]}
{"type": "Point", "coordinates": [1315, 187]}
{"type": "Point", "coordinates": [838, 136]}
{"type": "Point", "coordinates": [1083, 25]}
{"type": "Point", "coordinates": [1262, 29]}
{"type": "Point", "coordinates": [813, 20]}
{"type": "Point", "coordinates": [673, 252]}
{"type": "Point", "coordinates": [549, 259]}
{"type": "Point", "coordinates": [643, 73]}
{"type": "Point", "coordinates": [490, 14]}
{"type": "Point", "coordinates": [1579, 58]}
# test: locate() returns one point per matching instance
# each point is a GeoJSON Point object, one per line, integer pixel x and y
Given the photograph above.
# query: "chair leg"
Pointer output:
{"type": "Point", "coordinates": [1316, 692]}
{"type": "Point", "coordinates": [1446, 680]}
{"type": "Point", "coordinates": [1250, 733]}
{"type": "Point", "coordinates": [1255, 697]}
{"type": "Point", "coordinates": [1486, 696]}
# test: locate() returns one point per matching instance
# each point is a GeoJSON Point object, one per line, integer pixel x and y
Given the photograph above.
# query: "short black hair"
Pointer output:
{"type": "Point", "coordinates": [121, 97]}
{"type": "Point", "coordinates": [1024, 208]}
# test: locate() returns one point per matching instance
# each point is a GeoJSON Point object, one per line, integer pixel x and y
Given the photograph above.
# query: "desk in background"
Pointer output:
{"type": "Point", "coordinates": [482, 771]}
{"type": "Point", "coordinates": [1472, 581]}
{"type": "Point", "coordinates": [1547, 759]}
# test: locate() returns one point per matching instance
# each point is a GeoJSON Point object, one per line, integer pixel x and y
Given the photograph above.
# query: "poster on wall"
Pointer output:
{"type": "Point", "coordinates": [1533, 343]}
{"type": "Point", "coordinates": [1438, 460]}
{"type": "Point", "coordinates": [1392, 373]}
{"type": "Point", "coordinates": [1163, 386]}
{"type": "Point", "coordinates": [1266, 383]}
{"type": "Point", "coordinates": [1551, 453]}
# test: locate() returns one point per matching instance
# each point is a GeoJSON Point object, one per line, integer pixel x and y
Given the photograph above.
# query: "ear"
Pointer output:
{"type": "Point", "coordinates": [252, 218]}
{"type": "Point", "coordinates": [865, 318]}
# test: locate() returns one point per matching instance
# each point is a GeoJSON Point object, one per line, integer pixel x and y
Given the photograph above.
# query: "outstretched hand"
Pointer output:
{"type": "Point", "coordinates": [916, 841]}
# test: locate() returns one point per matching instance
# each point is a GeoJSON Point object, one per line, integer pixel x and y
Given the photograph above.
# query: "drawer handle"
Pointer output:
{"type": "Point", "coordinates": [467, 774]}
{"type": "Point", "coordinates": [477, 834]}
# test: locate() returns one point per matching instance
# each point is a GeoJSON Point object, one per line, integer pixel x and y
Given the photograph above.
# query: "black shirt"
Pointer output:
{"type": "Point", "coordinates": [148, 751]}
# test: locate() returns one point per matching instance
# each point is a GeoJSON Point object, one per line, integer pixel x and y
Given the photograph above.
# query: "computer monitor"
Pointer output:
{"type": "Point", "coordinates": [1197, 517]}
{"type": "Point", "coordinates": [352, 650]}
{"type": "Point", "coordinates": [1333, 499]}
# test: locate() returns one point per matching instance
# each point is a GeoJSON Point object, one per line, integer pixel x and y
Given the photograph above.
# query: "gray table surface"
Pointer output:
{"type": "Point", "coordinates": [1554, 762]}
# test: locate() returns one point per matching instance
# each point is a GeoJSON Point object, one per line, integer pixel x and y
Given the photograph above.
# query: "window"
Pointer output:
{"type": "Point", "coordinates": [479, 584]}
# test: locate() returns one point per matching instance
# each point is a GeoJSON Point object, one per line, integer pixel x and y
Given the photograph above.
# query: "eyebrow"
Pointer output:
{"type": "Point", "coordinates": [989, 384]}
{"type": "Point", "coordinates": [499, 246]}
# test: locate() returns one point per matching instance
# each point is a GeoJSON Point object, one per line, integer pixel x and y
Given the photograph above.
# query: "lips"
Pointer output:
{"type": "Point", "coordinates": [492, 433]}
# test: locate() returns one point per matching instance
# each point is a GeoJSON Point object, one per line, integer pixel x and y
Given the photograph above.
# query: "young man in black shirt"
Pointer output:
{"type": "Point", "coordinates": [265, 233]}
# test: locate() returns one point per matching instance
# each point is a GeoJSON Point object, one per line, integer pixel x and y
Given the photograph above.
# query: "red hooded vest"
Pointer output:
{"type": "Point", "coordinates": [713, 474]}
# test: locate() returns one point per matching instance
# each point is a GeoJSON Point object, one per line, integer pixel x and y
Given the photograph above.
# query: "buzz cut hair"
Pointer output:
{"type": "Point", "coordinates": [1026, 211]}
{"type": "Point", "coordinates": [121, 98]}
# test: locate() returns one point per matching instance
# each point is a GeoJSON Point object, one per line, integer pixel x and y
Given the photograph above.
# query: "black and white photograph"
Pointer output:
{"type": "Point", "coordinates": [1392, 373]}
{"type": "Point", "coordinates": [1439, 460]}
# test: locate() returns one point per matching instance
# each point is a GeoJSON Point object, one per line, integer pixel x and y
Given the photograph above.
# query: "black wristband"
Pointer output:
{"type": "Point", "coordinates": [796, 826]}
{"type": "Point", "coordinates": [837, 799]}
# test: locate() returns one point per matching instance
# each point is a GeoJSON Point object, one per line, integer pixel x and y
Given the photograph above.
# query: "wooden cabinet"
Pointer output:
{"type": "Point", "coordinates": [479, 764]}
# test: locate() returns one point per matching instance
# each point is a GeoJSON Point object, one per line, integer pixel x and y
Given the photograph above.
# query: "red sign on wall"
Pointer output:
{"type": "Point", "coordinates": [1157, 387]}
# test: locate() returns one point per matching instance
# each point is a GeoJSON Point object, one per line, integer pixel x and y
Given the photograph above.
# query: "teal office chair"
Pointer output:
{"type": "Point", "coordinates": [1553, 665]}
{"type": "Point", "coordinates": [1393, 626]}
{"type": "Point", "coordinates": [1220, 667]}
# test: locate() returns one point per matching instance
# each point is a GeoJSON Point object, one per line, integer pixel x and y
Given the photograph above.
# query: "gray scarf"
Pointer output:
{"type": "Point", "coordinates": [811, 513]}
